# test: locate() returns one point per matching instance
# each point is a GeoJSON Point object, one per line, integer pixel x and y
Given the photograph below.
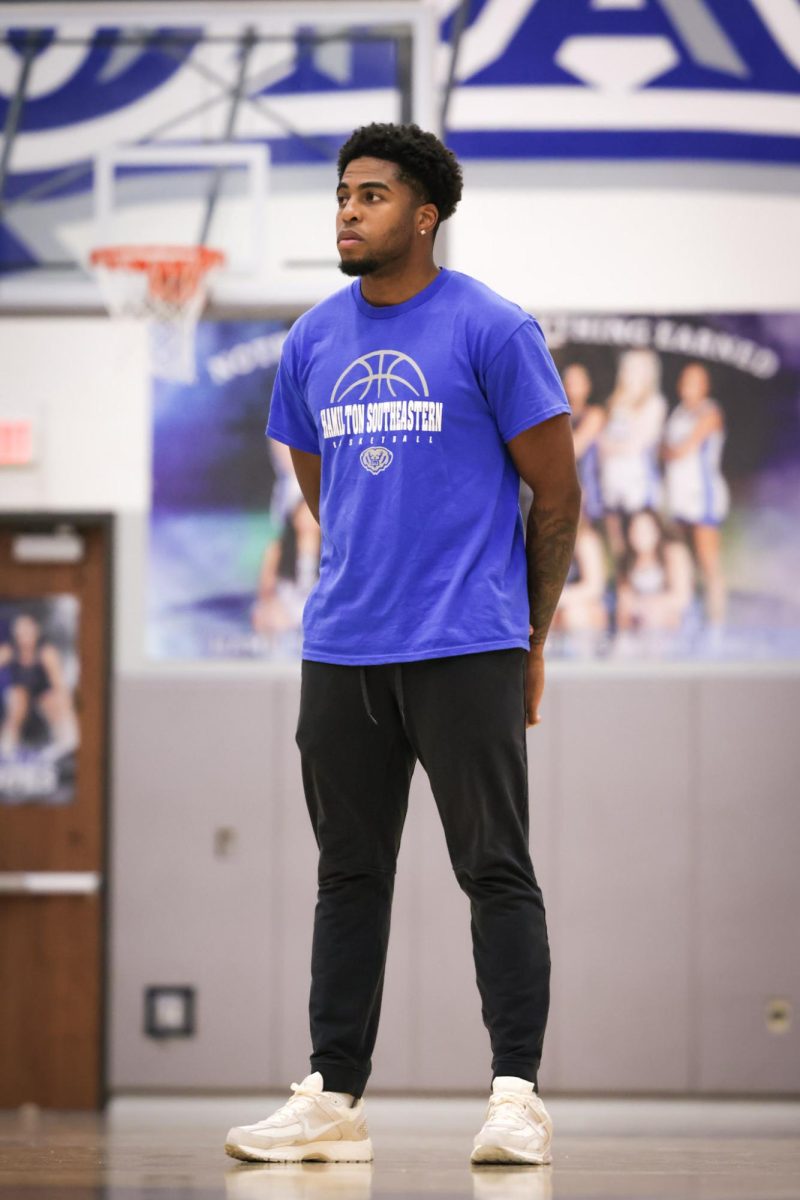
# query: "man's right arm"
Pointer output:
{"type": "Point", "coordinates": [291, 422]}
{"type": "Point", "coordinates": [308, 469]}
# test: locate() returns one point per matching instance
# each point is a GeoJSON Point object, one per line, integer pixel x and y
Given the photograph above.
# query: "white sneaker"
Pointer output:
{"type": "Point", "coordinates": [314, 1124]}
{"type": "Point", "coordinates": [518, 1128]}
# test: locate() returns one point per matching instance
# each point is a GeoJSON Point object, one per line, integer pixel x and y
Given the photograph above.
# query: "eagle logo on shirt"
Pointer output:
{"type": "Point", "coordinates": [366, 376]}
{"type": "Point", "coordinates": [376, 459]}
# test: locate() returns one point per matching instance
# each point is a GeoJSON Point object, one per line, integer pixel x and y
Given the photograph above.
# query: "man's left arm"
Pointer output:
{"type": "Point", "coordinates": [545, 458]}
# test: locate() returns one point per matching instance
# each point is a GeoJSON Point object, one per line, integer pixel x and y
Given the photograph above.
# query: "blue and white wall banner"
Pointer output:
{"type": "Point", "coordinates": [713, 80]}
{"type": "Point", "coordinates": [610, 80]}
{"type": "Point", "coordinates": [687, 434]}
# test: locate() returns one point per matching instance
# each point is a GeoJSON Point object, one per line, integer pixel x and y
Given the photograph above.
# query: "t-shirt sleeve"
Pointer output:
{"type": "Point", "coordinates": [290, 419]}
{"type": "Point", "coordinates": [521, 382]}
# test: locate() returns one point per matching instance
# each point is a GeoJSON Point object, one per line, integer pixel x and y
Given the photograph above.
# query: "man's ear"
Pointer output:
{"type": "Point", "coordinates": [427, 217]}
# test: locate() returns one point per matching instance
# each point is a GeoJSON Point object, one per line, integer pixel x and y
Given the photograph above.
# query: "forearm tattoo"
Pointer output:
{"type": "Point", "coordinates": [550, 543]}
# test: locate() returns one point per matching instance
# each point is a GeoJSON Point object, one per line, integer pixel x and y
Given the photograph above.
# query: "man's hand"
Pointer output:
{"type": "Point", "coordinates": [534, 685]}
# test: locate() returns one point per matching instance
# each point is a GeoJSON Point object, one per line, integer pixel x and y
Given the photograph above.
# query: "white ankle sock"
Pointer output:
{"type": "Point", "coordinates": [348, 1099]}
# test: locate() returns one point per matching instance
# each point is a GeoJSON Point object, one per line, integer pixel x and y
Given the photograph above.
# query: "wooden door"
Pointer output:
{"type": "Point", "coordinates": [54, 729]}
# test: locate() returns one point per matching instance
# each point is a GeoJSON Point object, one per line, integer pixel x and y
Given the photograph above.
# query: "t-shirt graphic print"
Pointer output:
{"type": "Point", "coordinates": [381, 373]}
{"type": "Point", "coordinates": [410, 406]}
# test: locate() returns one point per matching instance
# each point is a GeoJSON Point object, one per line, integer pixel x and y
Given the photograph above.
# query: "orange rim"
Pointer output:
{"type": "Point", "coordinates": [166, 258]}
{"type": "Point", "coordinates": [173, 272]}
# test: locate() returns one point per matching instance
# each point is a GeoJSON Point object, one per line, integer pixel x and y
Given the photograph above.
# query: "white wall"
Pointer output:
{"type": "Point", "coordinates": [621, 238]}
{"type": "Point", "coordinates": [85, 379]}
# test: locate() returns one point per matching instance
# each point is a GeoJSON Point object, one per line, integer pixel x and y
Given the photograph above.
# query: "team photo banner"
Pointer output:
{"type": "Point", "coordinates": [687, 436]}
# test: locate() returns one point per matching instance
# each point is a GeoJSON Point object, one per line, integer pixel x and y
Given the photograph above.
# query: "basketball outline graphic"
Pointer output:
{"type": "Point", "coordinates": [383, 374]}
{"type": "Point", "coordinates": [376, 458]}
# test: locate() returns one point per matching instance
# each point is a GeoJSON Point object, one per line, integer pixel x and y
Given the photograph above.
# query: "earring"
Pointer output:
{"type": "Point", "coordinates": [422, 231]}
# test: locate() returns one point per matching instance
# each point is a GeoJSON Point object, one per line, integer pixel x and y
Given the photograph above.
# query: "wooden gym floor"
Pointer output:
{"type": "Point", "coordinates": [146, 1148]}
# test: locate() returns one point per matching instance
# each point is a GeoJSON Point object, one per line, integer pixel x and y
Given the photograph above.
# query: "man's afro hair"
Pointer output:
{"type": "Point", "coordinates": [425, 163]}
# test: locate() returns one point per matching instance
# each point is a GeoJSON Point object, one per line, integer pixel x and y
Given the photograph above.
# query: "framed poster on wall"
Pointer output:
{"type": "Point", "coordinates": [687, 436]}
{"type": "Point", "coordinates": [39, 726]}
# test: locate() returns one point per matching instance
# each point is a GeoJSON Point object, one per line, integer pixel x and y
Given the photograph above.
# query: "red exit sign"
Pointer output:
{"type": "Point", "coordinates": [16, 442]}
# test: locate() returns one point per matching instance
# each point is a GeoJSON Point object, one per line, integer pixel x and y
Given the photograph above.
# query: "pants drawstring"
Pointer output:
{"type": "Point", "coordinates": [400, 701]}
{"type": "Point", "coordinates": [365, 694]}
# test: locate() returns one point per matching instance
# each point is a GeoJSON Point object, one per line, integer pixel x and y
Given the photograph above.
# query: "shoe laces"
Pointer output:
{"type": "Point", "coordinates": [517, 1105]}
{"type": "Point", "coordinates": [302, 1099]}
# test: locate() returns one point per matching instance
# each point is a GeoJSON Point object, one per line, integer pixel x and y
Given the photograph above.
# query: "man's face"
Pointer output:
{"type": "Point", "coordinates": [375, 222]}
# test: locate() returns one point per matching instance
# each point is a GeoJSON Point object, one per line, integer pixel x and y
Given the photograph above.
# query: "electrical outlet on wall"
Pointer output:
{"type": "Point", "coordinates": [169, 1011]}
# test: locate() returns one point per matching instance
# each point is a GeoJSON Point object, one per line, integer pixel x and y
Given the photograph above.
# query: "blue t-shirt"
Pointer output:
{"type": "Point", "coordinates": [410, 406]}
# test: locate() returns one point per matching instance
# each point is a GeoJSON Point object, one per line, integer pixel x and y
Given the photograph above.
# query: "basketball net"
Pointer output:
{"type": "Point", "coordinates": [167, 286]}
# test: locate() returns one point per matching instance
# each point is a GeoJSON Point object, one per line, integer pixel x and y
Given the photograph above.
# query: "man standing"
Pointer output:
{"type": "Point", "coordinates": [413, 400]}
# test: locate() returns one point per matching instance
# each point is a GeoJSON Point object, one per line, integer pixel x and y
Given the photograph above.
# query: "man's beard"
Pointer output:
{"type": "Point", "coordinates": [363, 266]}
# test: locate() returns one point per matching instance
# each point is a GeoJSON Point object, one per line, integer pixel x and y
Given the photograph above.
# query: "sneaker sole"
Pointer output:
{"type": "Point", "coordinates": [504, 1154]}
{"type": "Point", "coordinates": [343, 1151]}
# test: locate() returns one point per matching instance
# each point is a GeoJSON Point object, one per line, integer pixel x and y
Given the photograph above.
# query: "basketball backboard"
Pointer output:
{"type": "Point", "coordinates": [194, 123]}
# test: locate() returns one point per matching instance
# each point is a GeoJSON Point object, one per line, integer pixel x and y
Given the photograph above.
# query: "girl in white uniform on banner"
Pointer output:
{"type": "Point", "coordinates": [629, 443]}
{"type": "Point", "coordinates": [655, 588]}
{"type": "Point", "coordinates": [696, 492]}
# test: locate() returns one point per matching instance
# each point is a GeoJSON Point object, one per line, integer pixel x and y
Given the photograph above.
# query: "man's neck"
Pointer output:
{"type": "Point", "coordinates": [398, 286]}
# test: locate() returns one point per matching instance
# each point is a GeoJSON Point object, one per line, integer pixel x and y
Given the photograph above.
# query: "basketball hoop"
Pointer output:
{"type": "Point", "coordinates": [165, 285]}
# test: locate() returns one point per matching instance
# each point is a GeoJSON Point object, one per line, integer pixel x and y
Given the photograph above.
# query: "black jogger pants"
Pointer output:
{"type": "Point", "coordinates": [360, 732]}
